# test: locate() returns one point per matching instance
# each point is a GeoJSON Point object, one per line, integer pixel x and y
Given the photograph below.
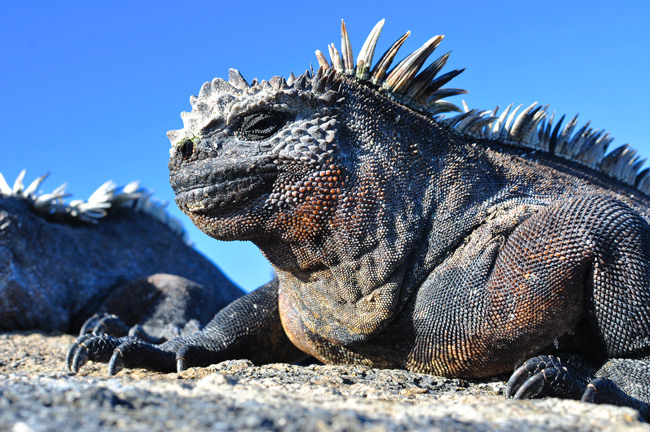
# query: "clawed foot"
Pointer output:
{"type": "Point", "coordinates": [129, 352]}
{"type": "Point", "coordinates": [88, 347]}
{"type": "Point", "coordinates": [549, 375]}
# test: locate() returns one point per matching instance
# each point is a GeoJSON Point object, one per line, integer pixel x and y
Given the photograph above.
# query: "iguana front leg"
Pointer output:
{"type": "Point", "coordinates": [609, 246]}
{"type": "Point", "coordinates": [249, 327]}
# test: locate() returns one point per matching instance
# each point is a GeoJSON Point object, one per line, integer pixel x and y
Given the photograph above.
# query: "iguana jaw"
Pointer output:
{"type": "Point", "coordinates": [231, 186]}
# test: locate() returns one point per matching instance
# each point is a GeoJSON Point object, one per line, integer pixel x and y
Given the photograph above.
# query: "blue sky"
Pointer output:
{"type": "Point", "coordinates": [88, 89]}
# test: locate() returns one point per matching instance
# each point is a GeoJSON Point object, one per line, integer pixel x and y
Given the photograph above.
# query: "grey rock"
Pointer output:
{"type": "Point", "coordinates": [36, 394]}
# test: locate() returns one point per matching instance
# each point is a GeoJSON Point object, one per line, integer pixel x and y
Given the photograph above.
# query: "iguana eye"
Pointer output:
{"type": "Point", "coordinates": [186, 149]}
{"type": "Point", "coordinates": [260, 125]}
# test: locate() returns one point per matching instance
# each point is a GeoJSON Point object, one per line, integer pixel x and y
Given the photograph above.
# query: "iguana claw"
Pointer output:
{"type": "Point", "coordinates": [80, 358]}
{"type": "Point", "coordinates": [72, 351]}
{"type": "Point", "coordinates": [530, 388]}
{"type": "Point", "coordinates": [180, 359]}
{"type": "Point", "coordinates": [116, 363]}
{"type": "Point", "coordinates": [548, 375]}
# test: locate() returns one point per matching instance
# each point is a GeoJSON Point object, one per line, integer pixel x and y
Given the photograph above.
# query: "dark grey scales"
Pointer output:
{"type": "Point", "coordinates": [464, 246]}
{"type": "Point", "coordinates": [116, 253]}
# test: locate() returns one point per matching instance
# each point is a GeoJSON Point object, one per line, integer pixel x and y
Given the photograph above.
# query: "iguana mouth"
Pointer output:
{"type": "Point", "coordinates": [236, 184]}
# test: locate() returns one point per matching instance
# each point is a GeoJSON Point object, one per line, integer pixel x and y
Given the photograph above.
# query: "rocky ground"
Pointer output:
{"type": "Point", "coordinates": [38, 394]}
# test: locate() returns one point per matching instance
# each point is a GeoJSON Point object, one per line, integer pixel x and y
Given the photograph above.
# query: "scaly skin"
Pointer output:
{"type": "Point", "coordinates": [399, 242]}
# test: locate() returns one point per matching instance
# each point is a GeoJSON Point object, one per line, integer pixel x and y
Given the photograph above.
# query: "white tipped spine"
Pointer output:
{"type": "Point", "coordinates": [100, 202]}
{"type": "Point", "coordinates": [364, 61]}
{"type": "Point", "coordinates": [4, 186]}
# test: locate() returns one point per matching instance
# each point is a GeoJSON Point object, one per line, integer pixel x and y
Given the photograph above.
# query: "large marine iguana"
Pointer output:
{"type": "Point", "coordinates": [460, 246]}
{"type": "Point", "coordinates": [118, 252]}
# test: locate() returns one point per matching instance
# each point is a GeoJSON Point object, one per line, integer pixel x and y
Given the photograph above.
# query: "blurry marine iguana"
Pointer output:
{"type": "Point", "coordinates": [459, 245]}
{"type": "Point", "coordinates": [118, 252]}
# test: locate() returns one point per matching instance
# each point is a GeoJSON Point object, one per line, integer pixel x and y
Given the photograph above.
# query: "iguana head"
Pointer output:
{"type": "Point", "coordinates": [249, 152]}
{"type": "Point", "coordinates": [291, 159]}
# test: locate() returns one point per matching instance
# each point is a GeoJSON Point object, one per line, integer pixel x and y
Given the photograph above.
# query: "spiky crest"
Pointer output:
{"type": "Point", "coordinates": [423, 91]}
{"type": "Point", "coordinates": [108, 196]}
{"type": "Point", "coordinates": [532, 128]}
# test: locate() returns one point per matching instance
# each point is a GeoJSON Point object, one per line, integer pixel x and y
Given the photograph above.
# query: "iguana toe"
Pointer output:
{"type": "Point", "coordinates": [135, 353]}
{"type": "Point", "coordinates": [104, 323]}
{"type": "Point", "coordinates": [603, 390]}
{"type": "Point", "coordinates": [593, 389]}
{"type": "Point", "coordinates": [89, 325]}
{"type": "Point", "coordinates": [112, 325]}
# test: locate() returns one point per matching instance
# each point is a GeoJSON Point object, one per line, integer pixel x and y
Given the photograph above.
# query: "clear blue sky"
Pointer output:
{"type": "Point", "coordinates": [88, 89]}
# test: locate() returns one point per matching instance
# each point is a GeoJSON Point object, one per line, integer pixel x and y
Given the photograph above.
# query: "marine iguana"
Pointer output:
{"type": "Point", "coordinates": [118, 252]}
{"type": "Point", "coordinates": [465, 245]}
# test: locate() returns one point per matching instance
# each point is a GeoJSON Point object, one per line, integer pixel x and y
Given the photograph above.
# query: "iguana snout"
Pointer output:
{"type": "Point", "coordinates": [202, 189]}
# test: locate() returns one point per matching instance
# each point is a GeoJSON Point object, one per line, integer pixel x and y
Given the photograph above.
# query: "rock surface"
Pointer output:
{"type": "Point", "coordinates": [38, 394]}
